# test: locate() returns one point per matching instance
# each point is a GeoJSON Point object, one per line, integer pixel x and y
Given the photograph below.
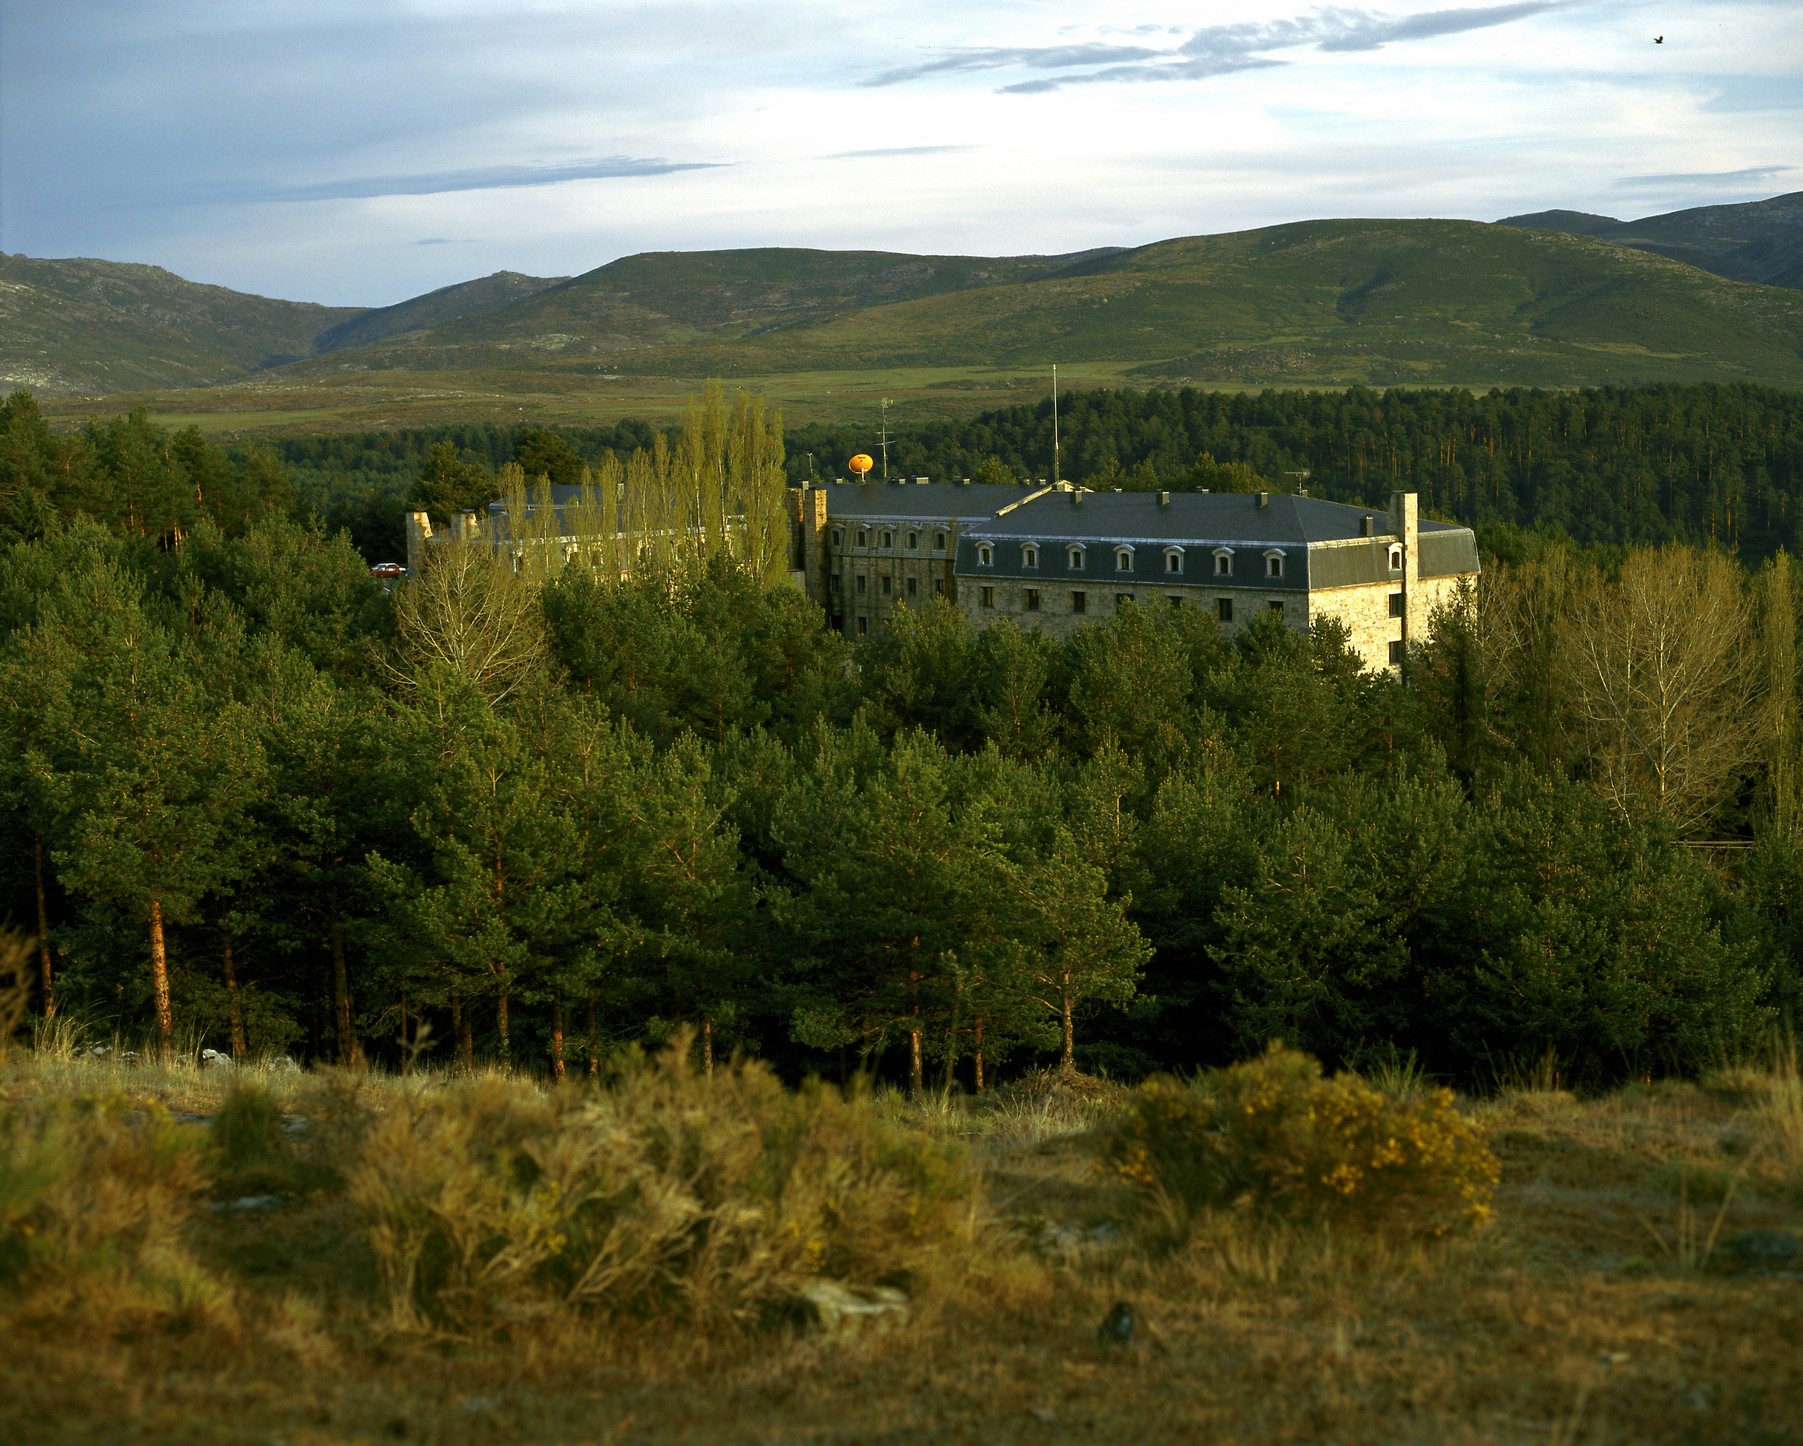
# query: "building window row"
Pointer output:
{"type": "Point", "coordinates": [861, 538]}
{"type": "Point", "coordinates": [1076, 554]}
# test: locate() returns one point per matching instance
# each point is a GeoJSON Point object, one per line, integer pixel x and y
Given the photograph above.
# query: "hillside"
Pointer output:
{"type": "Point", "coordinates": [107, 326]}
{"type": "Point", "coordinates": [1758, 241]}
{"type": "Point", "coordinates": [1320, 303]}
{"type": "Point", "coordinates": [435, 308]}
{"type": "Point", "coordinates": [672, 298]}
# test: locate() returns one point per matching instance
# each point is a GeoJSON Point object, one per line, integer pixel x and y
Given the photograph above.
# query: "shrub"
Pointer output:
{"type": "Point", "coordinates": [94, 1197]}
{"type": "Point", "coordinates": [665, 1195]}
{"type": "Point", "coordinates": [1276, 1138]}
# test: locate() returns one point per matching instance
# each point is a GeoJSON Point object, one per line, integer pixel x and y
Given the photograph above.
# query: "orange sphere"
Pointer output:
{"type": "Point", "coordinates": [860, 464]}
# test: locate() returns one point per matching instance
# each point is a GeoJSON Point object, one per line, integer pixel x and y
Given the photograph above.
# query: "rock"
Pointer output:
{"type": "Point", "coordinates": [283, 1064]}
{"type": "Point", "coordinates": [1116, 1328]}
{"type": "Point", "coordinates": [246, 1202]}
{"type": "Point", "coordinates": [130, 1056]}
{"type": "Point", "coordinates": [100, 1051]}
{"type": "Point", "coordinates": [832, 1308]}
{"type": "Point", "coordinates": [1066, 1242]}
{"type": "Point", "coordinates": [213, 1059]}
{"type": "Point", "coordinates": [1762, 1251]}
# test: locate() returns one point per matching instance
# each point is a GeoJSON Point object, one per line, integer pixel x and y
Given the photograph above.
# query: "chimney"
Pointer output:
{"type": "Point", "coordinates": [1076, 497]}
{"type": "Point", "coordinates": [1367, 526]}
{"type": "Point", "coordinates": [1264, 499]}
{"type": "Point", "coordinates": [1164, 499]}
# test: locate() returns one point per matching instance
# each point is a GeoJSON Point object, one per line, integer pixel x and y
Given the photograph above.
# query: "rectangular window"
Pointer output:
{"type": "Point", "coordinates": [1121, 599]}
{"type": "Point", "coordinates": [1223, 565]}
{"type": "Point", "coordinates": [1079, 602]}
{"type": "Point", "coordinates": [1176, 601]}
{"type": "Point", "coordinates": [1273, 567]}
{"type": "Point", "coordinates": [1032, 599]}
{"type": "Point", "coordinates": [1224, 609]}
{"type": "Point", "coordinates": [1395, 604]}
{"type": "Point", "coordinates": [863, 626]}
{"type": "Point", "coordinates": [913, 586]}
{"type": "Point", "coordinates": [938, 586]}
{"type": "Point", "coordinates": [1275, 606]}
{"type": "Point", "coordinates": [886, 585]}
{"type": "Point", "coordinates": [988, 597]}
{"type": "Point", "coordinates": [860, 583]}
{"type": "Point", "coordinates": [1396, 654]}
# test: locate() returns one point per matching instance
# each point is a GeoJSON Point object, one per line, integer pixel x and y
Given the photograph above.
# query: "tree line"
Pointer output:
{"type": "Point", "coordinates": [527, 815]}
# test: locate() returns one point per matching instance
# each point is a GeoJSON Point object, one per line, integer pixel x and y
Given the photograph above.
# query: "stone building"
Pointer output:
{"type": "Point", "coordinates": [1056, 557]}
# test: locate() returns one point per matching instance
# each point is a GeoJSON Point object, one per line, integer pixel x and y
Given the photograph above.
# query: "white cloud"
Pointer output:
{"type": "Point", "coordinates": [328, 148]}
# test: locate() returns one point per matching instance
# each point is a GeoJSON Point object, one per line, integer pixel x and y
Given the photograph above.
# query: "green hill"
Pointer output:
{"type": "Point", "coordinates": [435, 308]}
{"type": "Point", "coordinates": [1321, 302]}
{"type": "Point", "coordinates": [672, 298]}
{"type": "Point", "coordinates": [108, 326]}
{"type": "Point", "coordinates": [1758, 241]}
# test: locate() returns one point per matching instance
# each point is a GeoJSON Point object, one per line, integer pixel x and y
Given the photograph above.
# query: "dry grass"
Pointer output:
{"type": "Point", "coordinates": [1605, 1303]}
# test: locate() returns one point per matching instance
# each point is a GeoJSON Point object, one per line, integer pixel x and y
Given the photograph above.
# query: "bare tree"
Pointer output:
{"type": "Point", "coordinates": [1666, 682]}
{"type": "Point", "coordinates": [469, 612]}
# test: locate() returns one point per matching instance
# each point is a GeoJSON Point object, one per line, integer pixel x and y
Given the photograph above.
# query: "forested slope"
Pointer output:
{"type": "Point", "coordinates": [549, 817]}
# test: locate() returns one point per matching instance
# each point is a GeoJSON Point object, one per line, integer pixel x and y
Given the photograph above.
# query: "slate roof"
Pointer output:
{"type": "Point", "coordinates": [1233, 519]}
{"type": "Point", "coordinates": [918, 502]}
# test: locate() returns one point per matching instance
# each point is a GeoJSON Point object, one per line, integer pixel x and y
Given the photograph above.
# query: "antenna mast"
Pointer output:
{"type": "Point", "coordinates": [885, 439]}
{"type": "Point", "coordinates": [1055, 424]}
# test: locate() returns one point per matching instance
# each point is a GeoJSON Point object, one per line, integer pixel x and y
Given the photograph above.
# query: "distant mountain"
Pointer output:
{"type": "Point", "coordinates": [1317, 303]}
{"type": "Point", "coordinates": [435, 308]}
{"type": "Point", "coordinates": [108, 326]}
{"type": "Point", "coordinates": [1758, 241]}
{"type": "Point", "coordinates": [673, 298]}
{"type": "Point", "coordinates": [105, 326]}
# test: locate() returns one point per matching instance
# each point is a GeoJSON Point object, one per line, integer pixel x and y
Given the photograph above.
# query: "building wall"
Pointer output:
{"type": "Point", "coordinates": [983, 601]}
{"type": "Point", "coordinates": [866, 581]}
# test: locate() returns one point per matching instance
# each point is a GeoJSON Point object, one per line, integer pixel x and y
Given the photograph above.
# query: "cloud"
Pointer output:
{"type": "Point", "coordinates": [1746, 175]}
{"type": "Point", "coordinates": [481, 178]}
{"type": "Point", "coordinates": [445, 241]}
{"type": "Point", "coordinates": [894, 151]}
{"type": "Point", "coordinates": [1218, 49]}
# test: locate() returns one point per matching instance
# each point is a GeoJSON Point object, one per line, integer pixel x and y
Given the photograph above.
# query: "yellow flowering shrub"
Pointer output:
{"type": "Point", "coordinates": [1275, 1137]}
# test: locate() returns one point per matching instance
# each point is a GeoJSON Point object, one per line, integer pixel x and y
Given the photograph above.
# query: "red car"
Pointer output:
{"type": "Point", "coordinates": [388, 569]}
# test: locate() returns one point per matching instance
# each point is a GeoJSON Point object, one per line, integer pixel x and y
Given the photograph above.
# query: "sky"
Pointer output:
{"type": "Point", "coordinates": [358, 152]}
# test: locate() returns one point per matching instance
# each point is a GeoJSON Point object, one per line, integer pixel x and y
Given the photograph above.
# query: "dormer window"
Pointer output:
{"type": "Point", "coordinates": [1396, 559]}
{"type": "Point", "coordinates": [838, 537]}
{"type": "Point", "coordinates": [1123, 559]}
{"type": "Point", "coordinates": [985, 554]}
{"type": "Point", "coordinates": [888, 539]}
{"type": "Point", "coordinates": [861, 536]}
{"type": "Point", "coordinates": [1173, 560]}
{"type": "Point", "coordinates": [938, 542]}
{"type": "Point", "coordinates": [1223, 562]}
{"type": "Point", "coordinates": [1029, 554]}
{"type": "Point", "coordinates": [1273, 563]}
{"type": "Point", "coordinates": [1075, 552]}
{"type": "Point", "coordinates": [913, 540]}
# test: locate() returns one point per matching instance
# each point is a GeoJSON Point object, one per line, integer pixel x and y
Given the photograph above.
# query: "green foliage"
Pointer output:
{"type": "Point", "coordinates": [1276, 1139]}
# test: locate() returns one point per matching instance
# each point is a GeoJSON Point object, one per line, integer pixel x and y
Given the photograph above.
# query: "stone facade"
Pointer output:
{"type": "Point", "coordinates": [1055, 558]}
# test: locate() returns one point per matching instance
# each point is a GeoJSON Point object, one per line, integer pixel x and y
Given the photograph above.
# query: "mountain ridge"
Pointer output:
{"type": "Point", "coordinates": [1554, 298]}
